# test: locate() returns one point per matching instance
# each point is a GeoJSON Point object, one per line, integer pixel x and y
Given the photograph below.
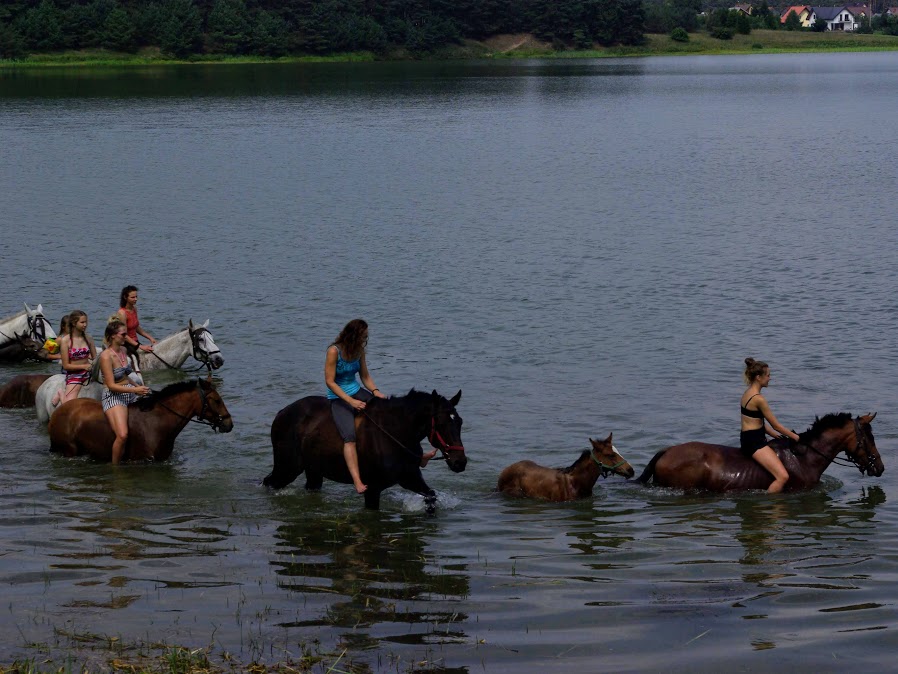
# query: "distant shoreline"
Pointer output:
{"type": "Point", "coordinates": [500, 47]}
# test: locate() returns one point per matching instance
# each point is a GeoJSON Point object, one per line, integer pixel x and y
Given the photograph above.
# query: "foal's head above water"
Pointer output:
{"type": "Point", "coordinates": [605, 456]}
{"type": "Point", "coordinates": [840, 432]}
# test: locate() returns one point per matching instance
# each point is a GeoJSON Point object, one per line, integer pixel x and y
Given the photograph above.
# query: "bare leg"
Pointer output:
{"type": "Point", "coordinates": [71, 392]}
{"type": "Point", "coordinates": [57, 397]}
{"type": "Point", "coordinates": [352, 462]}
{"type": "Point", "coordinates": [118, 419]}
{"type": "Point", "coordinates": [771, 462]}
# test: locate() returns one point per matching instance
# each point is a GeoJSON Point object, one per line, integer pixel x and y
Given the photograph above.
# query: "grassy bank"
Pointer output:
{"type": "Point", "coordinates": [504, 46]}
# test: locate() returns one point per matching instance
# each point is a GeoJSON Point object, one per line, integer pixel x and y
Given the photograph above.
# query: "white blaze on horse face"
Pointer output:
{"type": "Point", "coordinates": [207, 343]}
{"type": "Point", "coordinates": [38, 314]}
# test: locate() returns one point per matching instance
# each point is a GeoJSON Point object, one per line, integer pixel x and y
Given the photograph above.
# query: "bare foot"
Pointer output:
{"type": "Point", "coordinates": [55, 400]}
{"type": "Point", "coordinates": [361, 488]}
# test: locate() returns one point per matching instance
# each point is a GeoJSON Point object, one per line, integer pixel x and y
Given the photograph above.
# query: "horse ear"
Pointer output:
{"type": "Point", "coordinates": [190, 324]}
{"type": "Point", "coordinates": [27, 308]}
{"type": "Point", "coordinates": [608, 439]}
{"type": "Point", "coordinates": [867, 418]}
{"type": "Point", "coordinates": [455, 398]}
{"type": "Point", "coordinates": [206, 324]}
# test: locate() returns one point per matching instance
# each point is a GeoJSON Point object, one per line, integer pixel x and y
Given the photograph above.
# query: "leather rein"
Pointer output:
{"type": "Point", "coordinates": [217, 420]}
{"type": "Point", "coordinates": [434, 434]}
{"type": "Point", "coordinates": [860, 444]}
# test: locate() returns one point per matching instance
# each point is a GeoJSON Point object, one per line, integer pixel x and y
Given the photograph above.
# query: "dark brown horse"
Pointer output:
{"type": "Point", "coordinates": [80, 426]}
{"type": "Point", "coordinates": [20, 390]}
{"type": "Point", "coordinates": [22, 347]}
{"type": "Point", "coordinates": [696, 465]}
{"type": "Point", "coordinates": [304, 437]}
{"type": "Point", "coordinates": [529, 479]}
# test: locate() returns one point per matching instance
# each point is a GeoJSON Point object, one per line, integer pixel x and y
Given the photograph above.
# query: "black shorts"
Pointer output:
{"type": "Point", "coordinates": [344, 415]}
{"type": "Point", "coordinates": [751, 441]}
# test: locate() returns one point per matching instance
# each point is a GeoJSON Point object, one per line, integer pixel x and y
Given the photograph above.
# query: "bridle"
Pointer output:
{"type": "Point", "coordinates": [443, 446]}
{"type": "Point", "coordinates": [860, 445]}
{"type": "Point", "coordinates": [36, 327]}
{"type": "Point", "coordinates": [605, 469]}
{"type": "Point", "coordinates": [216, 422]}
{"type": "Point", "coordinates": [198, 352]}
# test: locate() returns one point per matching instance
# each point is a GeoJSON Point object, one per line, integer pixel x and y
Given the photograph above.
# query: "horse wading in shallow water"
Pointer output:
{"type": "Point", "coordinates": [528, 479]}
{"type": "Point", "coordinates": [22, 348]}
{"type": "Point", "coordinates": [174, 350]}
{"type": "Point", "coordinates": [697, 465]}
{"type": "Point", "coordinates": [20, 390]}
{"type": "Point", "coordinates": [80, 426]}
{"type": "Point", "coordinates": [304, 437]}
{"type": "Point", "coordinates": [29, 323]}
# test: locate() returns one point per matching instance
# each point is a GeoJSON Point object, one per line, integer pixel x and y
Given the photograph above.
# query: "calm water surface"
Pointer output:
{"type": "Point", "coordinates": [581, 247]}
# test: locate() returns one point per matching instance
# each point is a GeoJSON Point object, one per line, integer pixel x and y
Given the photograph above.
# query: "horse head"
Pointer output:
{"type": "Point", "coordinates": [864, 454]}
{"type": "Point", "coordinates": [214, 410]}
{"type": "Point", "coordinates": [445, 431]}
{"type": "Point", "coordinates": [32, 349]}
{"type": "Point", "coordinates": [609, 461]}
{"type": "Point", "coordinates": [39, 328]}
{"type": "Point", "coordinates": [203, 345]}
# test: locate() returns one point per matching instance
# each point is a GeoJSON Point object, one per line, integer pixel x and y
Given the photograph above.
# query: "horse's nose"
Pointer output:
{"type": "Point", "coordinates": [628, 471]}
{"type": "Point", "coordinates": [216, 361]}
{"type": "Point", "coordinates": [458, 465]}
{"type": "Point", "coordinates": [227, 425]}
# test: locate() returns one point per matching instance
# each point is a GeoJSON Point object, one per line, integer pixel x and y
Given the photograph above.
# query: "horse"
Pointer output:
{"type": "Point", "coordinates": [93, 389]}
{"type": "Point", "coordinates": [697, 465]}
{"type": "Point", "coordinates": [20, 390]}
{"type": "Point", "coordinates": [172, 351]}
{"type": "Point", "coordinates": [29, 323]}
{"type": "Point", "coordinates": [154, 421]}
{"type": "Point", "coordinates": [530, 480]}
{"type": "Point", "coordinates": [23, 347]}
{"type": "Point", "coordinates": [304, 437]}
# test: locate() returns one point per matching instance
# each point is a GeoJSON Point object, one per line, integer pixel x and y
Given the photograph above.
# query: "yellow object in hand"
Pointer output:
{"type": "Point", "coordinates": [51, 346]}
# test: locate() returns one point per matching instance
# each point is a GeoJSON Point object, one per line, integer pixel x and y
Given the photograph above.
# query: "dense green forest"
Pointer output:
{"type": "Point", "coordinates": [182, 28]}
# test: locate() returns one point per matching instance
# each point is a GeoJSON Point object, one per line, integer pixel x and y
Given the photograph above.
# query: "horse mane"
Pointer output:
{"type": "Point", "coordinates": [826, 423]}
{"type": "Point", "coordinates": [410, 401]}
{"type": "Point", "coordinates": [583, 456]}
{"type": "Point", "coordinates": [148, 402]}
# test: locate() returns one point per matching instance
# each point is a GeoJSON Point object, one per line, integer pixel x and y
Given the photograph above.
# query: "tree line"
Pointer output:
{"type": "Point", "coordinates": [182, 28]}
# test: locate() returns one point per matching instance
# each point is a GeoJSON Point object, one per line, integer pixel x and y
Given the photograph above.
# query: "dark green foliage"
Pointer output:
{"type": "Point", "coordinates": [679, 35]}
{"type": "Point", "coordinates": [743, 24]}
{"type": "Point", "coordinates": [179, 29]}
{"type": "Point", "coordinates": [228, 28]}
{"type": "Point", "coordinates": [722, 33]}
{"type": "Point", "coordinates": [182, 28]}
{"type": "Point", "coordinates": [792, 22]}
{"type": "Point", "coordinates": [819, 26]}
{"type": "Point", "coordinates": [118, 31]}
{"type": "Point", "coordinates": [12, 44]}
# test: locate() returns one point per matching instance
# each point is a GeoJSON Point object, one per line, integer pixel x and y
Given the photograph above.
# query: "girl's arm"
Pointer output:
{"type": "Point", "coordinates": [772, 420]}
{"type": "Point", "coordinates": [106, 367]}
{"type": "Point", "coordinates": [367, 380]}
{"type": "Point", "coordinates": [143, 333]}
{"type": "Point", "coordinates": [90, 344]}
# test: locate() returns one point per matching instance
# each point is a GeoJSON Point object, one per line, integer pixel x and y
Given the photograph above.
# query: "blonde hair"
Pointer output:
{"type": "Point", "coordinates": [754, 369]}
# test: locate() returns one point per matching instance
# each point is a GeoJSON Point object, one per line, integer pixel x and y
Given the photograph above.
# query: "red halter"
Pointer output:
{"type": "Point", "coordinates": [435, 434]}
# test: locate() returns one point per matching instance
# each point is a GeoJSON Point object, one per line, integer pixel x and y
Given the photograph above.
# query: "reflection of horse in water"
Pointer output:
{"type": "Point", "coordinates": [21, 390]}
{"type": "Point", "coordinates": [526, 478]}
{"type": "Point", "coordinates": [697, 465]}
{"type": "Point", "coordinates": [304, 437]}
{"type": "Point", "coordinates": [174, 350]}
{"type": "Point", "coordinates": [80, 425]}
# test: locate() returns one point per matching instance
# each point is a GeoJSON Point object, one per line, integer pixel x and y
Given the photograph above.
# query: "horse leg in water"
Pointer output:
{"type": "Point", "coordinates": [414, 481]}
{"type": "Point", "coordinates": [372, 498]}
{"type": "Point", "coordinates": [285, 442]}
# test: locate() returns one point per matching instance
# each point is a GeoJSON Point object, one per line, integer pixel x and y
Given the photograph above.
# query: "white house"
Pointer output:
{"type": "Point", "coordinates": [837, 18]}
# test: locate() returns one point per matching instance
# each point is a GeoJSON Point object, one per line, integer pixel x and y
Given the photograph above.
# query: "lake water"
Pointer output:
{"type": "Point", "coordinates": [581, 247]}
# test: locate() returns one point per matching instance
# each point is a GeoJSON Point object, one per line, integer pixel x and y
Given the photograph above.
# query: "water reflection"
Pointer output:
{"type": "Point", "coordinates": [382, 574]}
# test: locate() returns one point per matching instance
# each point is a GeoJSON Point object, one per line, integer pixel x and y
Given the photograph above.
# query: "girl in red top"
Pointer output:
{"type": "Point", "coordinates": [128, 315]}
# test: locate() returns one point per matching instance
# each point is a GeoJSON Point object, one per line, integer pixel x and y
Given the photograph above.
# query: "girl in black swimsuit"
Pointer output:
{"type": "Point", "coordinates": [755, 411]}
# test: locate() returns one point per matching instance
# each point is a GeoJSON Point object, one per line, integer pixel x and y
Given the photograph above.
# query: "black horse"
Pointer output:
{"type": "Point", "coordinates": [389, 431]}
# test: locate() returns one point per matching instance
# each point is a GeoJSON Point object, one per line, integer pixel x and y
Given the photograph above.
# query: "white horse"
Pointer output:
{"type": "Point", "coordinates": [170, 352]}
{"type": "Point", "coordinates": [29, 323]}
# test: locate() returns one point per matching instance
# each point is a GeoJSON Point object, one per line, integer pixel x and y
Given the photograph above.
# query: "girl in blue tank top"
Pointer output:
{"type": "Point", "coordinates": [345, 361]}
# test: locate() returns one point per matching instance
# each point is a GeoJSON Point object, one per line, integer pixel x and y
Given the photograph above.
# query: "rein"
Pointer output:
{"type": "Point", "coordinates": [196, 351]}
{"type": "Point", "coordinates": [214, 423]}
{"type": "Point", "coordinates": [434, 433]}
{"type": "Point", "coordinates": [860, 444]}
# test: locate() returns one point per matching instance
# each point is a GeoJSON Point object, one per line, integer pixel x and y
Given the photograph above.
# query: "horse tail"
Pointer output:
{"type": "Point", "coordinates": [285, 443]}
{"type": "Point", "coordinates": [649, 471]}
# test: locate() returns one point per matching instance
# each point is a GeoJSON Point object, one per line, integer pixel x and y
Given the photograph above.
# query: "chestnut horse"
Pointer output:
{"type": "Point", "coordinates": [80, 426]}
{"type": "Point", "coordinates": [531, 480]}
{"type": "Point", "coordinates": [21, 390]}
{"type": "Point", "coordinates": [696, 465]}
{"type": "Point", "coordinates": [304, 437]}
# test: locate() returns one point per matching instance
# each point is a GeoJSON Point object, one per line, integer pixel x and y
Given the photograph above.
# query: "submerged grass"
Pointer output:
{"type": "Point", "coordinates": [758, 42]}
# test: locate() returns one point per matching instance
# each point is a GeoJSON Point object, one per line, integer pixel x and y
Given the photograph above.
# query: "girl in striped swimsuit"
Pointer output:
{"type": "Point", "coordinates": [119, 392]}
{"type": "Point", "coordinates": [78, 351]}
